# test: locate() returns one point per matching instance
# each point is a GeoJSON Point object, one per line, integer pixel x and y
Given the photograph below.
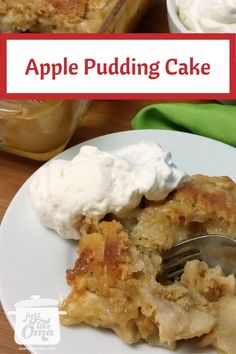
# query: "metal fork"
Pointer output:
{"type": "Point", "coordinates": [212, 249]}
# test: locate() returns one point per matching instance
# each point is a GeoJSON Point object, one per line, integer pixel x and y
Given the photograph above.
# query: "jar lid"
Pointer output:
{"type": "Point", "coordinates": [36, 301]}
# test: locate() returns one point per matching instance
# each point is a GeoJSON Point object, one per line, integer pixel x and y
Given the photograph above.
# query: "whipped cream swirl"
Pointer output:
{"type": "Point", "coordinates": [208, 15]}
{"type": "Point", "coordinates": [96, 182]}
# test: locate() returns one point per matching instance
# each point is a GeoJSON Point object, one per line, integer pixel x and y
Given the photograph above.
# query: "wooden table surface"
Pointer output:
{"type": "Point", "coordinates": [103, 117]}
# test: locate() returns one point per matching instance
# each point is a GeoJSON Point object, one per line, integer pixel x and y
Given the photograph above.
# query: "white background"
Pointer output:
{"type": "Point", "coordinates": [215, 52]}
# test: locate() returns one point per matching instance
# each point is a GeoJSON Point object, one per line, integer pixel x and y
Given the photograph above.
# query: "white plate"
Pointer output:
{"type": "Point", "coordinates": [33, 259]}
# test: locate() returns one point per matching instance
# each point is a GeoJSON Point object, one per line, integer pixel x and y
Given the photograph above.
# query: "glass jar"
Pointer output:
{"type": "Point", "coordinates": [38, 129]}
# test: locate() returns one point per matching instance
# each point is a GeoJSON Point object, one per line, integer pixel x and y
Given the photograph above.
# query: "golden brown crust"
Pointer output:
{"type": "Point", "coordinates": [215, 196]}
{"type": "Point", "coordinates": [66, 7]}
{"type": "Point", "coordinates": [53, 15]}
{"type": "Point", "coordinates": [114, 279]}
{"type": "Point", "coordinates": [101, 249]}
{"type": "Point", "coordinates": [203, 205]}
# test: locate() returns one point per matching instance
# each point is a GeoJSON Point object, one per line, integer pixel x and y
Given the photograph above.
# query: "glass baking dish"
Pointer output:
{"type": "Point", "coordinates": [124, 16]}
{"type": "Point", "coordinates": [41, 129]}
{"type": "Point", "coordinates": [72, 16]}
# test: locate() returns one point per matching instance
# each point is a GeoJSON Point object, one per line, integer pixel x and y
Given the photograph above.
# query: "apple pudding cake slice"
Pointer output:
{"type": "Point", "coordinates": [115, 279]}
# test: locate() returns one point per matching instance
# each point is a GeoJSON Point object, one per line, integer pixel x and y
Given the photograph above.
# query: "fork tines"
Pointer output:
{"type": "Point", "coordinates": [173, 262]}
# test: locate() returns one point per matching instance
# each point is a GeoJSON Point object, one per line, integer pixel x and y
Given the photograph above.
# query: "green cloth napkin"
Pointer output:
{"type": "Point", "coordinates": [213, 120]}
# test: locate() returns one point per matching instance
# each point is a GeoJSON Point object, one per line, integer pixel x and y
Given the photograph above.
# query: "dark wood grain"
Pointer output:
{"type": "Point", "coordinates": [103, 117]}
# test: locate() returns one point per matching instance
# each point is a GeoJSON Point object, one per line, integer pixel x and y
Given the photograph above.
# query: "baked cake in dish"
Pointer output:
{"type": "Point", "coordinates": [115, 279]}
{"type": "Point", "coordinates": [67, 15]}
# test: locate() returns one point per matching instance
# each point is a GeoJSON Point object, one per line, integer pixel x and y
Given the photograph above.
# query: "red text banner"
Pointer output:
{"type": "Point", "coordinates": [118, 66]}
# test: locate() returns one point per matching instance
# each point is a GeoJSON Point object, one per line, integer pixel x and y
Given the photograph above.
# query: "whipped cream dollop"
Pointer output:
{"type": "Point", "coordinates": [207, 15]}
{"type": "Point", "coordinates": [96, 183]}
